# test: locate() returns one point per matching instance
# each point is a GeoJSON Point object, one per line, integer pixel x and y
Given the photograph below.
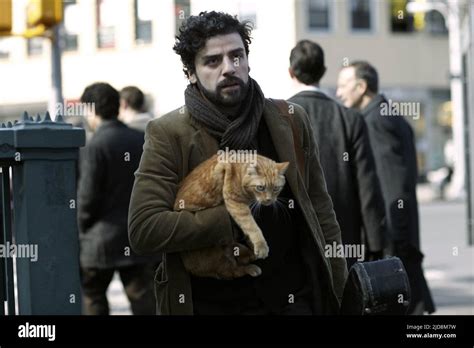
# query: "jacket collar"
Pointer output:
{"type": "Point", "coordinates": [374, 103]}
{"type": "Point", "coordinates": [282, 136]}
{"type": "Point", "coordinates": [105, 124]}
{"type": "Point", "coordinates": [313, 94]}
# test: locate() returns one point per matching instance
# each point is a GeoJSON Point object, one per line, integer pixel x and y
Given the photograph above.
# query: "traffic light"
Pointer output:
{"type": "Point", "coordinates": [44, 12]}
{"type": "Point", "coordinates": [5, 15]}
{"type": "Point", "coordinates": [419, 18]}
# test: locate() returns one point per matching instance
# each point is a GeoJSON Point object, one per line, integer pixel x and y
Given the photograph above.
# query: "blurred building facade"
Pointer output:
{"type": "Point", "coordinates": [129, 42]}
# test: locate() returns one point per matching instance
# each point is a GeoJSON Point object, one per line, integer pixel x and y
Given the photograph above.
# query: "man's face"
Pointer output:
{"type": "Point", "coordinates": [222, 71]}
{"type": "Point", "coordinates": [349, 89]}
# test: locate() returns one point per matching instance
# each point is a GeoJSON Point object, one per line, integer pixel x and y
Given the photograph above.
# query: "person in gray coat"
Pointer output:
{"type": "Point", "coordinates": [345, 154]}
{"type": "Point", "coordinates": [392, 139]}
{"type": "Point", "coordinates": [132, 110]}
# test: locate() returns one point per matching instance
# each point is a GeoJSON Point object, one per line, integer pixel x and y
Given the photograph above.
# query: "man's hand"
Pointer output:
{"type": "Point", "coordinates": [243, 254]}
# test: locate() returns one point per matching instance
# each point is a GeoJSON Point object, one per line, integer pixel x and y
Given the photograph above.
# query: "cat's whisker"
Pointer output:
{"type": "Point", "coordinates": [283, 200]}
{"type": "Point", "coordinates": [284, 208]}
{"type": "Point", "coordinates": [259, 210]}
{"type": "Point", "coordinates": [275, 210]}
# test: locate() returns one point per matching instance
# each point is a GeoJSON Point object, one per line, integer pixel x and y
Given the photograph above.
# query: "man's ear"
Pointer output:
{"type": "Point", "coordinates": [290, 71]}
{"type": "Point", "coordinates": [192, 77]}
{"type": "Point", "coordinates": [123, 104]}
{"type": "Point", "coordinates": [362, 86]}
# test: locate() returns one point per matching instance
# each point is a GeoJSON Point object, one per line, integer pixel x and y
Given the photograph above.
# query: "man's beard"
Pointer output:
{"type": "Point", "coordinates": [226, 99]}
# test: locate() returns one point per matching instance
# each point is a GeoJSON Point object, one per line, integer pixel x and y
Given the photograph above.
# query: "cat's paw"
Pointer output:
{"type": "Point", "coordinates": [261, 250]}
{"type": "Point", "coordinates": [253, 270]}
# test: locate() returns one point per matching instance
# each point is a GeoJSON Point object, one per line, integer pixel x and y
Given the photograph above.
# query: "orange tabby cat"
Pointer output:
{"type": "Point", "coordinates": [237, 185]}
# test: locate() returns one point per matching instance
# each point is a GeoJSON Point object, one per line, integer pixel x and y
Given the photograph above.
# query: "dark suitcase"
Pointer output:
{"type": "Point", "coordinates": [376, 288]}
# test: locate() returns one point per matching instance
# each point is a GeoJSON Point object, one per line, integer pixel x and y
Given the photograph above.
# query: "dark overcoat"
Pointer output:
{"type": "Point", "coordinates": [392, 140]}
{"type": "Point", "coordinates": [349, 169]}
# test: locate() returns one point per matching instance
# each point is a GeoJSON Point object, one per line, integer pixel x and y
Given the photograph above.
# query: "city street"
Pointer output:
{"type": "Point", "coordinates": [448, 264]}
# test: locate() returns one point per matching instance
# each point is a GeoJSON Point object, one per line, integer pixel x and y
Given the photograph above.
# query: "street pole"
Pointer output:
{"type": "Point", "coordinates": [457, 186]}
{"type": "Point", "coordinates": [56, 75]}
{"type": "Point", "coordinates": [450, 9]}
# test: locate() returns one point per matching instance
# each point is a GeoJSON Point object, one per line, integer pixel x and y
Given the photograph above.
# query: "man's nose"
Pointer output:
{"type": "Point", "coordinates": [229, 66]}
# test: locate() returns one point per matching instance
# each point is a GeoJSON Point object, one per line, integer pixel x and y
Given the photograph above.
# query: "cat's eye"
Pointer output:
{"type": "Point", "coordinates": [260, 188]}
{"type": "Point", "coordinates": [276, 188]}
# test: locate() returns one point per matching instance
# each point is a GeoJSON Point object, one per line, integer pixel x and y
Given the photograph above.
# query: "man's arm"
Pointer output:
{"type": "Point", "coordinates": [91, 181]}
{"type": "Point", "coordinates": [393, 173]}
{"type": "Point", "coordinates": [153, 225]}
{"type": "Point", "coordinates": [322, 205]}
{"type": "Point", "coordinates": [370, 194]}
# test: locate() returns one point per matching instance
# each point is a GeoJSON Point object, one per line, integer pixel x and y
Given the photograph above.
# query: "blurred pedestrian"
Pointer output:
{"type": "Point", "coordinates": [107, 167]}
{"type": "Point", "coordinates": [133, 108]}
{"type": "Point", "coordinates": [345, 153]}
{"type": "Point", "coordinates": [392, 140]}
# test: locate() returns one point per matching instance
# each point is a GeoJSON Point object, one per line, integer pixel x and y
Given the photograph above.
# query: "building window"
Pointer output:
{"type": "Point", "coordinates": [34, 46]}
{"type": "Point", "coordinates": [360, 15]}
{"type": "Point", "coordinates": [105, 24]}
{"type": "Point", "coordinates": [71, 26]}
{"type": "Point", "coordinates": [182, 11]}
{"type": "Point", "coordinates": [143, 21]}
{"type": "Point", "coordinates": [435, 23]}
{"type": "Point", "coordinates": [401, 20]}
{"type": "Point", "coordinates": [319, 14]}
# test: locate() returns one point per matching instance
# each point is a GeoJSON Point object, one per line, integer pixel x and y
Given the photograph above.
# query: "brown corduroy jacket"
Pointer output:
{"type": "Point", "coordinates": [174, 146]}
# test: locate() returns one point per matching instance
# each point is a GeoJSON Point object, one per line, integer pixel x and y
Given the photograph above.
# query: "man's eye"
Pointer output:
{"type": "Point", "coordinates": [211, 61]}
{"type": "Point", "coordinates": [260, 188]}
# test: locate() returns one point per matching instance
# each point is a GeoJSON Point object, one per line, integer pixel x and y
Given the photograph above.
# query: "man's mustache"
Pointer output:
{"type": "Point", "coordinates": [230, 82]}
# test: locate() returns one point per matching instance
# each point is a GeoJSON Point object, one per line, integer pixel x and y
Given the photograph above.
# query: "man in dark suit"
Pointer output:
{"type": "Point", "coordinates": [107, 167]}
{"type": "Point", "coordinates": [345, 154]}
{"type": "Point", "coordinates": [395, 157]}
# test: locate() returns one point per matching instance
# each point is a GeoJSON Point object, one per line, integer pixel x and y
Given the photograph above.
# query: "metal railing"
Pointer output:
{"type": "Point", "coordinates": [38, 183]}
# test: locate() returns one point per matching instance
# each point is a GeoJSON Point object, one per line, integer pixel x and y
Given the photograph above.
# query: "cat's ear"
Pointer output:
{"type": "Point", "coordinates": [282, 167]}
{"type": "Point", "coordinates": [252, 170]}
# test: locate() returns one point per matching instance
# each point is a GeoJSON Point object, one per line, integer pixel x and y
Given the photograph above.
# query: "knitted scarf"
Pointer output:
{"type": "Point", "coordinates": [238, 133]}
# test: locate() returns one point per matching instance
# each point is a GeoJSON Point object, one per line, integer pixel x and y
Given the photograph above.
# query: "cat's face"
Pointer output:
{"type": "Point", "coordinates": [265, 181]}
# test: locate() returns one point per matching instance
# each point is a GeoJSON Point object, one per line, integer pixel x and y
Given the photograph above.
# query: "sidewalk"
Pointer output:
{"type": "Point", "coordinates": [449, 261]}
{"type": "Point", "coordinates": [118, 301]}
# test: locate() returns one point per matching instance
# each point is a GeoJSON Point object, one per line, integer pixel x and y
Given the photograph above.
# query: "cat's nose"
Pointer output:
{"type": "Point", "coordinates": [267, 202]}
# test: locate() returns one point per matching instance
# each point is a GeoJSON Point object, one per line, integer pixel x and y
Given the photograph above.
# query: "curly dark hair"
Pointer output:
{"type": "Point", "coordinates": [196, 30]}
